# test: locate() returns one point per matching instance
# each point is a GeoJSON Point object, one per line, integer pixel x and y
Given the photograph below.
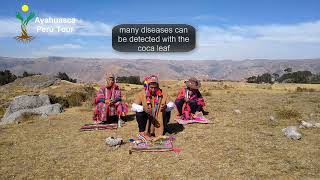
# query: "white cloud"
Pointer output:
{"type": "Point", "coordinates": [209, 17]}
{"type": "Point", "coordinates": [301, 32]}
{"type": "Point", "coordinates": [301, 40]}
{"type": "Point", "coordinates": [96, 28]}
{"type": "Point", "coordinates": [9, 27]}
{"type": "Point", "coordinates": [273, 41]}
{"type": "Point", "coordinates": [308, 32]}
{"type": "Point", "coordinates": [64, 47]}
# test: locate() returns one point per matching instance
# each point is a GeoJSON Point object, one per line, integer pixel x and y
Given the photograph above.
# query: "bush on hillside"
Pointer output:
{"type": "Point", "coordinates": [6, 77]}
{"type": "Point", "coordinates": [129, 79]}
{"type": "Point", "coordinates": [64, 76]}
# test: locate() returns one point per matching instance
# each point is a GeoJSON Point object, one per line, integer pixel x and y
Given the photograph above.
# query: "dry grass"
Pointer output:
{"type": "Point", "coordinates": [288, 113]}
{"type": "Point", "coordinates": [235, 146]}
{"type": "Point", "coordinates": [2, 111]}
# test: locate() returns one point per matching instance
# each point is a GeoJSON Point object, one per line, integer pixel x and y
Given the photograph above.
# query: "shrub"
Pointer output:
{"type": "Point", "coordinates": [64, 76]}
{"type": "Point", "coordinates": [26, 74]}
{"type": "Point", "coordinates": [299, 89]}
{"type": "Point", "coordinates": [90, 92]}
{"type": "Point", "coordinates": [288, 113]}
{"type": "Point", "coordinates": [58, 99]}
{"type": "Point", "coordinates": [288, 77]}
{"type": "Point", "coordinates": [72, 100]}
{"type": "Point", "coordinates": [76, 99]}
{"type": "Point", "coordinates": [315, 79]}
{"type": "Point", "coordinates": [2, 111]}
{"type": "Point", "coordinates": [252, 79]}
{"type": "Point", "coordinates": [264, 78]}
{"type": "Point", "coordinates": [288, 70]}
{"type": "Point", "coordinates": [6, 77]}
{"type": "Point", "coordinates": [129, 79]}
{"type": "Point", "coordinates": [296, 77]}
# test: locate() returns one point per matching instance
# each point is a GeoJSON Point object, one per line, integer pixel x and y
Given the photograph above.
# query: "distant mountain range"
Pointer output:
{"type": "Point", "coordinates": [93, 69]}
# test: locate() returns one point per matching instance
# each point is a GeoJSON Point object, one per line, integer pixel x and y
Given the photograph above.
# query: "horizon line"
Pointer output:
{"type": "Point", "coordinates": [112, 58]}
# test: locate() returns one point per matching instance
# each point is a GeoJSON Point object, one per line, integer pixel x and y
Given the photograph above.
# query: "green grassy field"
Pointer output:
{"type": "Point", "coordinates": [245, 145]}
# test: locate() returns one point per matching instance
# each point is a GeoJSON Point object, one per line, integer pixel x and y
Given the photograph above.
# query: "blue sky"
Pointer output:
{"type": "Point", "coordinates": [226, 29]}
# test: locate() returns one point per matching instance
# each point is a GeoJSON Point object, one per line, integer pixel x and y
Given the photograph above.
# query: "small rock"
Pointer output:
{"type": "Point", "coordinates": [305, 124]}
{"type": "Point", "coordinates": [311, 124]}
{"type": "Point", "coordinates": [292, 133]}
{"type": "Point", "coordinates": [111, 141]}
{"type": "Point", "coordinates": [272, 119]}
{"type": "Point", "coordinates": [237, 111]}
{"type": "Point", "coordinates": [44, 116]}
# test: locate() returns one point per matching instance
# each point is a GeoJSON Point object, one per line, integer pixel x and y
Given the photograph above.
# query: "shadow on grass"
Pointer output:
{"type": "Point", "coordinates": [174, 128]}
{"type": "Point", "coordinates": [130, 117]}
{"type": "Point", "coordinates": [205, 112]}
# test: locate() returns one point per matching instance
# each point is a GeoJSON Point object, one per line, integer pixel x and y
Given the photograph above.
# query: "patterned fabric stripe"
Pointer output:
{"type": "Point", "coordinates": [117, 93]}
{"type": "Point", "coordinates": [142, 138]}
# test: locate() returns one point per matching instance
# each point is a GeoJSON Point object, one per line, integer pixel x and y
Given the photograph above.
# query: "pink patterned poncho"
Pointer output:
{"type": "Point", "coordinates": [196, 96]}
{"type": "Point", "coordinates": [103, 110]}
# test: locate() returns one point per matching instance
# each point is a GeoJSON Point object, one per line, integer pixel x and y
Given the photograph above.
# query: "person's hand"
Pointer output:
{"type": "Point", "coordinates": [148, 110]}
{"type": "Point", "coordinates": [163, 107]}
{"type": "Point", "coordinates": [186, 99]}
{"type": "Point", "coordinates": [111, 102]}
{"type": "Point", "coordinates": [190, 93]}
{"type": "Point", "coordinates": [107, 101]}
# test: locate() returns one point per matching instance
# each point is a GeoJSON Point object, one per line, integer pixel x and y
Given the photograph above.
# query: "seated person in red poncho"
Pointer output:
{"type": "Point", "coordinates": [108, 105]}
{"type": "Point", "coordinates": [190, 101]}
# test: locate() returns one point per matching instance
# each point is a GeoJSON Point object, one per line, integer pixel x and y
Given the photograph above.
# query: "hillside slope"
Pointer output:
{"type": "Point", "coordinates": [93, 70]}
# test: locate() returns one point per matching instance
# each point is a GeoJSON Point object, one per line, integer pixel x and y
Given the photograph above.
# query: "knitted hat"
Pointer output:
{"type": "Point", "coordinates": [153, 81]}
{"type": "Point", "coordinates": [110, 75]}
{"type": "Point", "coordinates": [193, 83]}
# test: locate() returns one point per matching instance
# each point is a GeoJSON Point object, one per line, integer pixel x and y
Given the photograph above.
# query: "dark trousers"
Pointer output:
{"type": "Point", "coordinates": [111, 119]}
{"type": "Point", "coordinates": [142, 119]}
{"type": "Point", "coordinates": [193, 106]}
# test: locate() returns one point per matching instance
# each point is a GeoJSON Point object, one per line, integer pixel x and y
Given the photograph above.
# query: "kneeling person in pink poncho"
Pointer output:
{"type": "Point", "coordinates": [189, 101]}
{"type": "Point", "coordinates": [108, 105]}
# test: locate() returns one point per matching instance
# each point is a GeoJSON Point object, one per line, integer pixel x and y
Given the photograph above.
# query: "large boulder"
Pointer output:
{"type": "Point", "coordinates": [33, 104]}
{"type": "Point", "coordinates": [35, 82]}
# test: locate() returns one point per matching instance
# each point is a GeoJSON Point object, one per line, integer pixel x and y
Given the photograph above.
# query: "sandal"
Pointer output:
{"type": "Point", "coordinates": [144, 138]}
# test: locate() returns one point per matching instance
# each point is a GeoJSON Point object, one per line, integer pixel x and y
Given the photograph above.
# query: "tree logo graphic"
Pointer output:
{"type": "Point", "coordinates": [24, 37]}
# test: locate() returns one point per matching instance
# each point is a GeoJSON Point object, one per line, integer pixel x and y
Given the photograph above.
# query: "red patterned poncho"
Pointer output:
{"type": "Point", "coordinates": [103, 110]}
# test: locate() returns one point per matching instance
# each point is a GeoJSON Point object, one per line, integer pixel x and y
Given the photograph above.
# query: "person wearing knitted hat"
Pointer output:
{"type": "Point", "coordinates": [152, 106]}
{"type": "Point", "coordinates": [108, 105]}
{"type": "Point", "coordinates": [189, 100]}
